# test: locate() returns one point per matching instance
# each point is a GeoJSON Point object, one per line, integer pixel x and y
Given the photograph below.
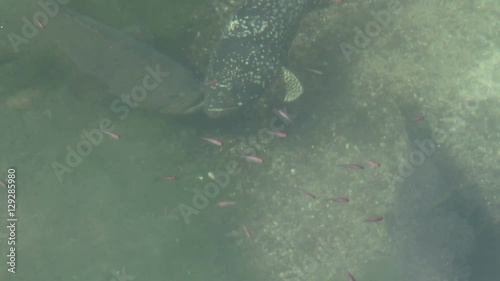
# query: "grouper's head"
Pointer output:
{"type": "Point", "coordinates": [234, 82]}
{"type": "Point", "coordinates": [239, 72]}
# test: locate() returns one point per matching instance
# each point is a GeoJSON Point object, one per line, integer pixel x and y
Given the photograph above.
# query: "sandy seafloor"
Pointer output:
{"type": "Point", "coordinates": [108, 219]}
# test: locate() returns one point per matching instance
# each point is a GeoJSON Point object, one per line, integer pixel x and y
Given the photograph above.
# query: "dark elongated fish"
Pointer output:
{"type": "Point", "coordinates": [251, 54]}
{"type": "Point", "coordinates": [122, 63]}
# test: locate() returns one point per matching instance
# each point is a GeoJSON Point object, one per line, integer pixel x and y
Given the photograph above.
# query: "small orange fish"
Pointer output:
{"type": "Point", "coordinates": [375, 219]}
{"type": "Point", "coordinates": [168, 178]}
{"type": "Point", "coordinates": [247, 232]}
{"type": "Point", "coordinates": [309, 195]}
{"type": "Point", "coordinates": [418, 118]}
{"type": "Point", "coordinates": [372, 163]}
{"type": "Point", "coordinates": [351, 278]}
{"type": "Point", "coordinates": [254, 159]}
{"type": "Point", "coordinates": [225, 203]}
{"type": "Point", "coordinates": [113, 135]}
{"type": "Point", "coordinates": [353, 166]}
{"type": "Point", "coordinates": [284, 115]}
{"type": "Point", "coordinates": [212, 82]}
{"type": "Point", "coordinates": [340, 199]}
{"type": "Point", "coordinates": [315, 71]}
{"type": "Point", "coordinates": [213, 141]}
{"type": "Point", "coordinates": [40, 24]}
{"type": "Point", "coordinates": [279, 134]}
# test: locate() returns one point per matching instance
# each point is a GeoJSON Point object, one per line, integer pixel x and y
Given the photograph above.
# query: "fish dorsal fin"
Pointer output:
{"type": "Point", "coordinates": [293, 87]}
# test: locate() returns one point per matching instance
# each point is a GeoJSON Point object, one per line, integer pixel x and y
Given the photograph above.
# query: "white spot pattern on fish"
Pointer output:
{"type": "Point", "coordinates": [251, 53]}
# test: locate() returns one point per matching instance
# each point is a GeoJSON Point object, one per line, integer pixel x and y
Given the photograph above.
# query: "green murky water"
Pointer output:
{"type": "Point", "coordinates": [90, 207]}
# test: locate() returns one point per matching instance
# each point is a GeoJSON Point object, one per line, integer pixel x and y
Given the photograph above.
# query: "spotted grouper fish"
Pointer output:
{"type": "Point", "coordinates": [251, 54]}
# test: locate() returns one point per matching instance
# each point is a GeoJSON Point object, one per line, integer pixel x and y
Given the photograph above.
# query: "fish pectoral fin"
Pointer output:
{"type": "Point", "coordinates": [293, 87]}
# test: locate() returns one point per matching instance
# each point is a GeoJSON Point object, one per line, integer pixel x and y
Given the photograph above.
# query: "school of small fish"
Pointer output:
{"type": "Point", "coordinates": [258, 160]}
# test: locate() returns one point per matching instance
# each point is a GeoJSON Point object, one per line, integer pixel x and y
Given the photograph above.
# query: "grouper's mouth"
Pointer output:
{"type": "Point", "coordinates": [220, 101]}
{"type": "Point", "coordinates": [197, 106]}
{"type": "Point", "coordinates": [213, 112]}
{"type": "Point", "coordinates": [210, 111]}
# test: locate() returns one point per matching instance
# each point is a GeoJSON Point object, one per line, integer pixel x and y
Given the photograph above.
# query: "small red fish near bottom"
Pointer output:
{"type": "Point", "coordinates": [372, 163]}
{"type": "Point", "coordinates": [247, 232]}
{"type": "Point", "coordinates": [113, 135]}
{"type": "Point", "coordinates": [353, 166]}
{"type": "Point", "coordinates": [40, 24]}
{"type": "Point", "coordinates": [169, 178]}
{"type": "Point", "coordinates": [285, 115]}
{"type": "Point", "coordinates": [279, 134]}
{"type": "Point", "coordinates": [254, 159]}
{"type": "Point", "coordinates": [213, 141]}
{"type": "Point", "coordinates": [375, 219]}
{"type": "Point", "coordinates": [351, 278]}
{"type": "Point", "coordinates": [418, 118]}
{"type": "Point", "coordinates": [309, 195]}
{"type": "Point", "coordinates": [225, 203]}
{"type": "Point", "coordinates": [340, 199]}
{"type": "Point", "coordinates": [315, 71]}
{"type": "Point", "coordinates": [212, 82]}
